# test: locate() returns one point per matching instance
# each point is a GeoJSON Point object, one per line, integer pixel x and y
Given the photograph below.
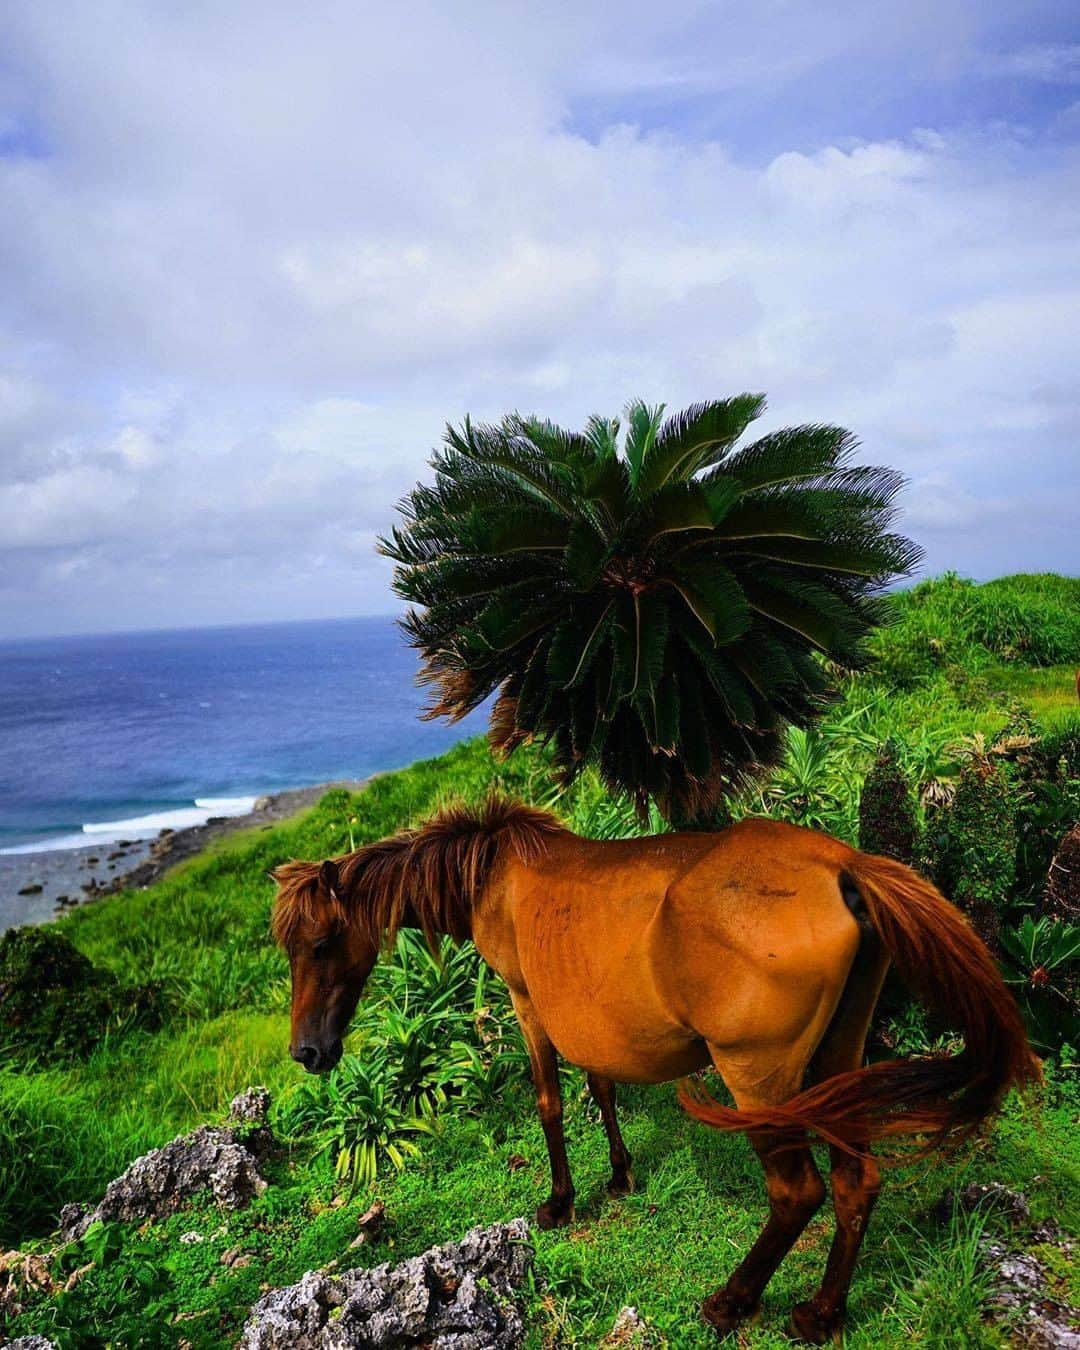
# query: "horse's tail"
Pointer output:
{"type": "Point", "coordinates": [947, 966]}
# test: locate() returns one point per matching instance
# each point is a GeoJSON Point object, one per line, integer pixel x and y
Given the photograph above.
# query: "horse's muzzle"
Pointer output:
{"type": "Point", "coordinates": [316, 1059]}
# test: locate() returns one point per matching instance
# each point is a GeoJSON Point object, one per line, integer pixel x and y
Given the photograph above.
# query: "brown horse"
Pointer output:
{"type": "Point", "coordinates": [760, 949]}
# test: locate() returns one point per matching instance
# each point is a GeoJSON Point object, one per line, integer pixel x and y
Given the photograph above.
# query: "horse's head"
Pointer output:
{"type": "Point", "coordinates": [330, 960]}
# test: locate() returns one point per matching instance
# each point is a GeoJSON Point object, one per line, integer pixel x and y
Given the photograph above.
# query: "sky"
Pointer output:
{"type": "Point", "coordinates": [254, 256]}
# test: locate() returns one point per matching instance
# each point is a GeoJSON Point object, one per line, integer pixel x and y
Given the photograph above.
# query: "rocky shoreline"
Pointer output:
{"type": "Point", "coordinates": [36, 887]}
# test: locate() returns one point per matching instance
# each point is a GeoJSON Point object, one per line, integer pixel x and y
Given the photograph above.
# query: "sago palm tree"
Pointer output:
{"type": "Point", "coordinates": [656, 602]}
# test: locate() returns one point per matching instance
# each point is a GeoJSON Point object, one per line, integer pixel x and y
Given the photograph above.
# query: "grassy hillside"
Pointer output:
{"type": "Point", "coordinates": [960, 661]}
{"type": "Point", "coordinates": [1020, 634]}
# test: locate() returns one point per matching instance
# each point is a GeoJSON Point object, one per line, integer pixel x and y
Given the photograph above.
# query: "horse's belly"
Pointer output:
{"type": "Point", "coordinates": [626, 1048]}
{"type": "Point", "coordinates": [632, 1067]}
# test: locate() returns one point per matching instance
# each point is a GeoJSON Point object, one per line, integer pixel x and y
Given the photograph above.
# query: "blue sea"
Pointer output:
{"type": "Point", "coordinates": [122, 735]}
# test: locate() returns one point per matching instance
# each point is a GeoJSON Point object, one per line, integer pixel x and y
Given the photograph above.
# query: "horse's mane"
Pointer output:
{"type": "Point", "coordinates": [431, 874]}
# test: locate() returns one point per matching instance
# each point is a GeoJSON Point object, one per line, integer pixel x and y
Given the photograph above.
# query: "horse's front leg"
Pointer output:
{"type": "Point", "coordinates": [603, 1090]}
{"type": "Point", "coordinates": [558, 1209]}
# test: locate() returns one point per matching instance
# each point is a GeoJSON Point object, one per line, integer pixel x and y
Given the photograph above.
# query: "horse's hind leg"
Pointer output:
{"type": "Point", "coordinates": [855, 1181]}
{"type": "Point", "coordinates": [795, 1192]}
{"type": "Point", "coordinates": [603, 1090]}
{"type": "Point", "coordinates": [794, 1187]}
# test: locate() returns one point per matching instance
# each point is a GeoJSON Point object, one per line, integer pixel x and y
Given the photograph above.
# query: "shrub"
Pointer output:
{"type": "Point", "coordinates": [1046, 812]}
{"type": "Point", "coordinates": [1059, 753]}
{"type": "Point", "coordinates": [887, 819]}
{"type": "Point", "coordinates": [54, 1003]}
{"type": "Point", "coordinates": [978, 869]}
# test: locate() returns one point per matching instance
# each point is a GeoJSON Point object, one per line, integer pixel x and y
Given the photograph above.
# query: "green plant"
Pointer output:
{"type": "Point", "coordinates": [487, 1072]}
{"type": "Point", "coordinates": [804, 788]}
{"type": "Point", "coordinates": [414, 1050]}
{"type": "Point", "coordinates": [887, 820]}
{"type": "Point", "coordinates": [655, 605]}
{"type": "Point", "coordinates": [907, 1032]}
{"type": "Point", "coordinates": [450, 981]}
{"type": "Point", "coordinates": [978, 866]}
{"type": "Point", "coordinates": [437, 1029]}
{"type": "Point", "coordinates": [111, 1277]}
{"type": "Point", "coordinates": [604, 816]}
{"type": "Point", "coordinates": [1042, 958]}
{"type": "Point", "coordinates": [355, 1114]}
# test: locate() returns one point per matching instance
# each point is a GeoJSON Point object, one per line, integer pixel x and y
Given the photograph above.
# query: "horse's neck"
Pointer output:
{"type": "Point", "coordinates": [411, 919]}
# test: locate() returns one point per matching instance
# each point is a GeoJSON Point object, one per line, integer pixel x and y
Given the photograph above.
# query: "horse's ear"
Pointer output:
{"type": "Point", "coordinates": [328, 875]}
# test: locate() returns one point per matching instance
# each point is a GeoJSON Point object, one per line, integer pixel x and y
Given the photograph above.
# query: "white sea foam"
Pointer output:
{"type": "Point", "coordinates": [47, 845]}
{"type": "Point", "coordinates": [142, 827]}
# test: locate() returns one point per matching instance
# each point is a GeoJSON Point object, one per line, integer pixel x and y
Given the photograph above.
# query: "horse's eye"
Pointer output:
{"type": "Point", "coordinates": [321, 949]}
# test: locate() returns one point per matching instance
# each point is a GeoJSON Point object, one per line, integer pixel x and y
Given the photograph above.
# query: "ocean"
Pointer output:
{"type": "Point", "coordinates": [122, 735]}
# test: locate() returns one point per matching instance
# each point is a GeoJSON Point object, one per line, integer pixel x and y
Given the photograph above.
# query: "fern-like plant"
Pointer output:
{"type": "Point", "coordinates": [656, 601]}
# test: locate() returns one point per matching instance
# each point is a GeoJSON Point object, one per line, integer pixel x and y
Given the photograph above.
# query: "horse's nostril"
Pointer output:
{"type": "Point", "coordinates": [306, 1055]}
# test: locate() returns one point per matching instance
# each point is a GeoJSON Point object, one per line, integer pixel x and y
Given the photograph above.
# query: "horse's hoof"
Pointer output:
{"type": "Point", "coordinates": [620, 1185]}
{"type": "Point", "coordinates": [807, 1324]}
{"type": "Point", "coordinates": [556, 1215]}
{"type": "Point", "coordinates": [726, 1314]}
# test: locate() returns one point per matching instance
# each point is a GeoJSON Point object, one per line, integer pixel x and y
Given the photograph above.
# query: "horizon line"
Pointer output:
{"type": "Point", "coordinates": [219, 626]}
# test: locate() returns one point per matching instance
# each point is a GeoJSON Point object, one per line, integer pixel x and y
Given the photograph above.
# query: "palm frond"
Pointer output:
{"type": "Point", "coordinates": [663, 608]}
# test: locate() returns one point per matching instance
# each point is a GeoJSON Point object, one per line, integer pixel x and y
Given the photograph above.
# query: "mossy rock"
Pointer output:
{"type": "Point", "coordinates": [55, 1003]}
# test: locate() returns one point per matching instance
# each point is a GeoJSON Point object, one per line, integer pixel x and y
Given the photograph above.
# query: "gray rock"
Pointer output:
{"type": "Point", "coordinates": [30, 1343]}
{"type": "Point", "coordinates": [629, 1329]}
{"type": "Point", "coordinates": [221, 1159]}
{"type": "Point", "coordinates": [1020, 1299]}
{"type": "Point", "coordinates": [989, 1198]}
{"type": "Point", "coordinates": [251, 1107]}
{"type": "Point", "coordinates": [249, 1115]}
{"type": "Point", "coordinates": [463, 1296]}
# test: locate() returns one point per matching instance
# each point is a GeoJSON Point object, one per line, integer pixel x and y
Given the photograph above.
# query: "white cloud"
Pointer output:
{"type": "Point", "coordinates": [67, 508]}
{"type": "Point", "coordinates": [1052, 62]}
{"type": "Point", "coordinates": [261, 261]}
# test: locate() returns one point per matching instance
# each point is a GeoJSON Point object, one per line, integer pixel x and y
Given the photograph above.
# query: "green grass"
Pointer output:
{"type": "Point", "coordinates": [1049, 691]}
{"type": "Point", "coordinates": [698, 1206]}
{"type": "Point", "coordinates": [1024, 620]}
{"type": "Point", "coordinates": [65, 1132]}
